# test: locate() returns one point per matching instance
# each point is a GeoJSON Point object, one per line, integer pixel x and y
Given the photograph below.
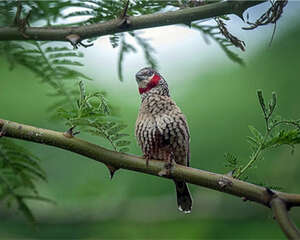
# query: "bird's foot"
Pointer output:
{"type": "Point", "coordinates": [167, 170]}
{"type": "Point", "coordinates": [147, 158]}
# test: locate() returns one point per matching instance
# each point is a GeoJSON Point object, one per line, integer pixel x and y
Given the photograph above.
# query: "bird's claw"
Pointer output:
{"type": "Point", "coordinates": [167, 170]}
{"type": "Point", "coordinates": [147, 158]}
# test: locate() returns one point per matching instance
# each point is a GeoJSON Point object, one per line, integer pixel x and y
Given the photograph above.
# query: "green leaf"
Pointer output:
{"type": "Point", "coordinates": [25, 210]}
{"type": "Point", "coordinates": [118, 128]}
{"type": "Point", "coordinates": [119, 136]}
{"type": "Point", "coordinates": [65, 54]}
{"type": "Point", "coordinates": [257, 135]}
{"type": "Point", "coordinates": [124, 150]}
{"type": "Point", "coordinates": [56, 49]}
{"type": "Point", "coordinates": [125, 48]}
{"type": "Point", "coordinates": [19, 171]}
{"type": "Point", "coordinates": [231, 160]}
{"type": "Point", "coordinates": [122, 143]}
{"type": "Point", "coordinates": [39, 198]}
{"type": "Point", "coordinates": [284, 137]}
{"type": "Point", "coordinates": [66, 62]}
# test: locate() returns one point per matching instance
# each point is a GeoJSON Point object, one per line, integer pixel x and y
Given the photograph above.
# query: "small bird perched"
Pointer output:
{"type": "Point", "coordinates": [162, 130]}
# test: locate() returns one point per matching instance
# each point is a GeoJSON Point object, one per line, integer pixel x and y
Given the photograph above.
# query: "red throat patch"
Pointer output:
{"type": "Point", "coordinates": [153, 83]}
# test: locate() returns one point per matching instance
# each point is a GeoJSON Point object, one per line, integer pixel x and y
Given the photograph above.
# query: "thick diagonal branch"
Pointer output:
{"type": "Point", "coordinates": [281, 215]}
{"type": "Point", "coordinates": [214, 181]}
{"type": "Point", "coordinates": [137, 22]}
{"type": "Point", "coordinates": [206, 179]}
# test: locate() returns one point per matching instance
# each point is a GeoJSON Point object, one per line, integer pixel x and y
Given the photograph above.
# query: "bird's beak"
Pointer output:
{"type": "Point", "coordinates": [139, 77]}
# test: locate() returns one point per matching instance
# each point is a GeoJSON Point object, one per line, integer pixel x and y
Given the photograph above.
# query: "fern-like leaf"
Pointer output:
{"type": "Point", "coordinates": [19, 172]}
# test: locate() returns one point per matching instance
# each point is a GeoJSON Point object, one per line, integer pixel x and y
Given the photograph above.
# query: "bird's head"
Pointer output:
{"type": "Point", "coordinates": [150, 80]}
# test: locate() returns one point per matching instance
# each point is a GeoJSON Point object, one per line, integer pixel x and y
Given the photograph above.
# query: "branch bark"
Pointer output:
{"type": "Point", "coordinates": [133, 23]}
{"type": "Point", "coordinates": [202, 178]}
{"type": "Point", "coordinates": [280, 211]}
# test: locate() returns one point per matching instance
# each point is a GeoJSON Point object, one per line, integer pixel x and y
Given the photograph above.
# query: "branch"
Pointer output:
{"type": "Point", "coordinates": [280, 211]}
{"type": "Point", "coordinates": [135, 23]}
{"type": "Point", "coordinates": [219, 182]}
{"type": "Point", "coordinates": [210, 180]}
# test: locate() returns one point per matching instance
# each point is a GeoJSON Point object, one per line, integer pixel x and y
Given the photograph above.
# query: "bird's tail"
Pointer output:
{"type": "Point", "coordinates": [184, 199]}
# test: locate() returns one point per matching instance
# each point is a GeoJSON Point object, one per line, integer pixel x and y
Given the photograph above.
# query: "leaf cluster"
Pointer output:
{"type": "Point", "coordinates": [19, 171]}
{"type": "Point", "coordinates": [53, 65]}
{"type": "Point", "coordinates": [278, 132]}
{"type": "Point", "coordinates": [92, 114]}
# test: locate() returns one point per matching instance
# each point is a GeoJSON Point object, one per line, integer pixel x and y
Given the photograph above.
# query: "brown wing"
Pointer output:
{"type": "Point", "coordinates": [172, 127]}
{"type": "Point", "coordinates": [145, 132]}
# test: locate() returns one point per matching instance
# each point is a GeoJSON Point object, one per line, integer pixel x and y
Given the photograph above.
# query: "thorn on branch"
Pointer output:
{"type": "Point", "coordinates": [75, 40]}
{"type": "Point", "coordinates": [69, 133]}
{"type": "Point", "coordinates": [240, 14]}
{"type": "Point", "coordinates": [111, 170]}
{"type": "Point", "coordinates": [189, 24]}
{"type": "Point", "coordinates": [230, 174]}
{"type": "Point", "coordinates": [233, 39]}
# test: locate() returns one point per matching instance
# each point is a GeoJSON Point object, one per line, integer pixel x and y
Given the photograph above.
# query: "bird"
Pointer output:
{"type": "Point", "coordinates": [162, 131]}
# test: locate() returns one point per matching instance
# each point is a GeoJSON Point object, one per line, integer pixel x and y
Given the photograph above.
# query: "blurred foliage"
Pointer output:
{"type": "Point", "coordinates": [19, 171]}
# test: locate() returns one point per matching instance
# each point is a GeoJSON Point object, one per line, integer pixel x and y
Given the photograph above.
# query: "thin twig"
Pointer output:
{"type": "Point", "coordinates": [124, 12]}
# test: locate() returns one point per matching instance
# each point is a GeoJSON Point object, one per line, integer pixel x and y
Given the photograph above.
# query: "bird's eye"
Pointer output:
{"type": "Point", "coordinates": [149, 73]}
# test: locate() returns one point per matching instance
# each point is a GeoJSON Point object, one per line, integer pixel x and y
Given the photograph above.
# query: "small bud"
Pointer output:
{"type": "Point", "coordinates": [261, 100]}
{"type": "Point", "coordinates": [274, 100]}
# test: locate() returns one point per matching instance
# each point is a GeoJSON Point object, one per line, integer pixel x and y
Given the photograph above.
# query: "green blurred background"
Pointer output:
{"type": "Point", "coordinates": [219, 100]}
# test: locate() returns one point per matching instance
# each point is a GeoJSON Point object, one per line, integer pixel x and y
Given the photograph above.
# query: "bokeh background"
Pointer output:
{"type": "Point", "coordinates": [219, 100]}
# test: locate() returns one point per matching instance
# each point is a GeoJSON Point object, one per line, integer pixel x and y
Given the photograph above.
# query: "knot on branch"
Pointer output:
{"type": "Point", "coordinates": [224, 182]}
{"type": "Point", "coordinates": [75, 41]}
